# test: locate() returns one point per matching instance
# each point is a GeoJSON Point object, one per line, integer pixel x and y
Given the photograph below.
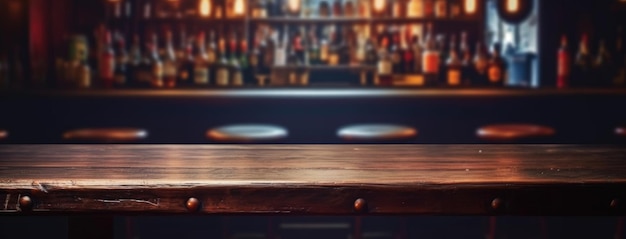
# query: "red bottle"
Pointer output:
{"type": "Point", "coordinates": [563, 65]}
{"type": "Point", "coordinates": [106, 61]}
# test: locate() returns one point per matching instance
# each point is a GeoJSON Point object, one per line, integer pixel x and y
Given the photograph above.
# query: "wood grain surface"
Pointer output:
{"type": "Point", "coordinates": [315, 179]}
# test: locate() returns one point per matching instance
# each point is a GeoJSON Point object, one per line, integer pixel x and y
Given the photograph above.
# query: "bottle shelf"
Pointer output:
{"type": "Point", "coordinates": [299, 21]}
{"type": "Point", "coordinates": [352, 20]}
{"type": "Point", "coordinates": [187, 20]}
{"type": "Point", "coordinates": [355, 68]}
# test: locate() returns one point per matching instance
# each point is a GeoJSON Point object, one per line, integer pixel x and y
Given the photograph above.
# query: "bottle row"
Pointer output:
{"type": "Point", "coordinates": [220, 9]}
{"type": "Point", "coordinates": [386, 56]}
{"type": "Point", "coordinates": [606, 68]}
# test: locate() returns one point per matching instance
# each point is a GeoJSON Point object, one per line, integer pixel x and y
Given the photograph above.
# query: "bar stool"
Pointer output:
{"type": "Point", "coordinates": [3, 134]}
{"type": "Point", "coordinates": [106, 134]}
{"type": "Point", "coordinates": [247, 133]}
{"type": "Point", "coordinates": [371, 132]}
{"type": "Point", "coordinates": [512, 132]}
{"type": "Point", "coordinates": [620, 131]}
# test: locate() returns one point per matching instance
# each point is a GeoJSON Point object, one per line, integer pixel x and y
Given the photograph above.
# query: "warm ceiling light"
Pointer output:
{"type": "Point", "coordinates": [379, 5]}
{"type": "Point", "coordinates": [471, 6]}
{"type": "Point", "coordinates": [205, 8]}
{"type": "Point", "coordinates": [294, 6]}
{"type": "Point", "coordinates": [239, 8]}
{"type": "Point", "coordinates": [512, 6]}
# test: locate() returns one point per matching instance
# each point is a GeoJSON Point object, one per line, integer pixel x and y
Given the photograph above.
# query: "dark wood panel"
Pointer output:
{"type": "Point", "coordinates": [316, 179]}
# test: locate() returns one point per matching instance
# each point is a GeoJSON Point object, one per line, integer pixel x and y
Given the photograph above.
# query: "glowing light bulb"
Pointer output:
{"type": "Point", "coordinates": [512, 6]}
{"type": "Point", "coordinates": [379, 5]}
{"type": "Point", "coordinates": [205, 8]}
{"type": "Point", "coordinates": [239, 7]}
{"type": "Point", "coordinates": [471, 6]}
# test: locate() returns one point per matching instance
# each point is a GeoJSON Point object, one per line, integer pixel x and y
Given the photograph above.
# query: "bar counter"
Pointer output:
{"type": "Point", "coordinates": [313, 179]}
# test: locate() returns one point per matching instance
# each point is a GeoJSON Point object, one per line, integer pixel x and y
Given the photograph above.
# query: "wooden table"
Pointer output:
{"type": "Point", "coordinates": [313, 179]}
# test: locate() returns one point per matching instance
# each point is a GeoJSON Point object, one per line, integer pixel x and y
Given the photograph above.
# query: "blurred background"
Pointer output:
{"type": "Point", "coordinates": [314, 72]}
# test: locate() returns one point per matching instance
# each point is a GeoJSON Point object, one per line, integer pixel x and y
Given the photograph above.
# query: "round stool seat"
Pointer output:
{"type": "Point", "coordinates": [620, 131]}
{"type": "Point", "coordinates": [508, 132]}
{"type": "Point", "coordinates": [247, 132]}
{"type": "Point", "coordinates": [106, 134]}
{"type": "Point", "coordinates": [3, 134]}
{"type": "Point", "coordinates": [376, 132]}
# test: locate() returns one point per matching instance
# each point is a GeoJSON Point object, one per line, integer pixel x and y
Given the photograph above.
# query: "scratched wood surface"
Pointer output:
{"type": "Point", "coordinates": [315, 179]}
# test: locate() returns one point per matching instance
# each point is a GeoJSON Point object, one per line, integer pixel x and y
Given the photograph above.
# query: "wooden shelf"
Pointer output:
{"type": "Point", "coordinates": [318, 92]}
{"type": "Point", "coordinates": [347, 20]}
{"type": "Point", "coordinates": [355, 68]}
{"type": "Point", "coordinates": [191, 20]}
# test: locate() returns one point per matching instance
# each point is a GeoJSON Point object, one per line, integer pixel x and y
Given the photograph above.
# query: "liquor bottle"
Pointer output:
{"type": "Point", "coordinates": [219, 9]}
{"type": "Point", "coordinates": [467, 66]}
{"type": "Point", "coordinates": [271, 7]}
{"type": "Point", "coordinates": [441, 8]}
{"type": "Point", "coordinates": [350, 9]}
{"type": "Point", "coordinates": [244, 62]}
{"type": "Point", "coordinates": [364, 9]}
{"type": "Point", "coordinates": [134, 62]}
{"type": "Point", "coordinates": [269, 54]}
{"type": "Point", "coordinates": [337, 8]}
{"type": "Point", "coordinates": [454, 67]}
{"type": "Point", "coordinates": [324, 9]}
{"type": "Point", "coordinates": [333, 49]}
{"type": "Point", "coordinates": [481, 62]}
{"type": "Point", "coordinates": [443, 50]}
{"type": "Point", "coordinates": [430, 60]}
{"type": "Point", "coordinates": [121, 62]}
{"type": "Point", "coordinates": [371, 54]}
{"type": "Point", "coordinates": [259, 9]}
{"type": "Point", "coordinates": [181, 50]}
{"type": "Point", "coordinates": [156, 66]}
{"type": "Point", "coordinates": [399, 9]}
{"type": "Point", "coordinates": [106, 62]}
{"type": "Point", "coordinates": [222, 76]}
{"type": "Point", "coordinates": [396, 55]}
{"type": "Point", "coordinates": [314, 49]}
{"type": "Point", "coordinates": [408, 57]}
{"type": "Point", "coordinates": [147, 10]}
{"type": "Point", "coordinates": [236, 73]}
{"type": "Point", "coordinates": [170, 66]}
{"type": "Point", "coordinates": [275, 8]}
{"type": "Point", "coordinates": [385, 65]}
{"type": "Point", "coordinates": [201, 71]}
{"type": "Point", "coordinates": [345, 45]}
{"type": "Point", "coordinates": [292, 62]}
{"type": "Point", "coordinates": [429, 8]}
{"type": "Point", "coordinates": [280, 55]}
{"type": "Point", "coordinates": [563, 65]}
{"type": "Point", "coordinates": [497, 69]}
{"type": "Point", "coordinates": [583, 64]}
{"type": "Point", "coordinates": [256, 60]}
{"type": "Point", "coordinates": [212, 55]}
{"type": "Point", "coordinates": [602, 65]}
{"type": "Point", "coordinates": [415, 9]}
{"type": "Point", "coordinates": [357, 48]}
{"type": "Point", "coordinates": [116, 9]}
{"type": "Point", "coordinates": [324, 52]}
{"type": "Point", "coordinates": [186, 66]}
{"type": "Point", "coordinates": [418, 50]}
{"type": "Point", "coordinates": [83, 71]}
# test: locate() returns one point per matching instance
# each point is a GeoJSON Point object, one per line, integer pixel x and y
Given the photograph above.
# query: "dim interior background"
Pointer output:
{"type": "Point", "coordinates": [35, 32]}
